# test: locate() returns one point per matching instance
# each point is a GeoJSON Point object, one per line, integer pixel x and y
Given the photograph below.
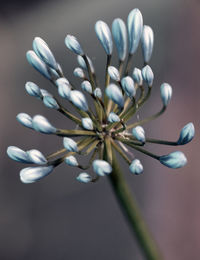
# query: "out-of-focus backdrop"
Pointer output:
{"type": "Point", "coordinates": [59, 218]}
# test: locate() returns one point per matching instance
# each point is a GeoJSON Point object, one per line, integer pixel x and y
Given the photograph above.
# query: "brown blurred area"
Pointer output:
{"type": "Point", "coordinates": [58, 218]}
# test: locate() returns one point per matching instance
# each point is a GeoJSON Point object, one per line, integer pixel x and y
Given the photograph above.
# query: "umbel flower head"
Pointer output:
{"type": "Point", "coordinates": [104, 129]}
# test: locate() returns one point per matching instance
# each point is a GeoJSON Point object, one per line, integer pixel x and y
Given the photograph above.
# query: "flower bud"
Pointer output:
{"type": "Point", "coordinates": [128, 86]}
{"type": "Point", "coordinates": [115, 94]}
{"type": "Point", "coordinates": [33, 174]}
{"type": "Point", "coordinates": [79, 100]}
{"type": "Point", "coordinates": [120, 37]}
{"type": "Point", "coordinates": [25, 120]}
{"type": "Point", "coordinates": [139, 134]}
{"type": "Point", "coordinates": [147, 41]}
{"type": "Point", "coordinates": [147, 75]}
{"type": "Point", "coordinates": [136, 167]}
{"type": "Point", "coordinates": [50, 102]}
{"type": "Point", "coordinates": [86, 85]}
{"type": "Point", "coordinates": [84, 177]}
{"type": "Point", "coordinates": [113, 118]}
{"type": "Point", "coordinates": [82, 63]}
{"type": "Point", "coordinates": [114, 73]}
{"type": "Point", "coordinates": [41, 124]}
{"type": "Point", "coordinates": [73, 44]}
{"type": "Point", "coordinates": [71, 161]}
{"type": "Point", "coordinates": [39, 65]}
{"type": "Point", "coordinates": [135, 27]}
{"type": "Point", "coordinates": [45, 93]}
{"type": "Point", "coordinates": [166, 93]}
{"type": "Point", "coordinates": [44, 53]}
{"type": "Point", "coordinates": [137, 76]}
{"type": "Point", "coordinates": [101, 167]}
{"type": "Point", "coordinates": [64, 87]}
{"type": "Point", "coordinates": [79, 73]}
{"type": "Point", "coordinates": [70, 145]}
{"type": "Point", "coordinates": [32, 89]}
{"type": "Point", "coordinates": [97, 93]}
{"type": "Point", "coordinates": [174, 160]}
{"type": "Point", "coordinates": [87, 123]}
{"type": "Point", "coordinates": [104, 35]}
{"type": "Point", "coordinates": [36, 157]}
{"type": "Point", "coordinates": [187, 134]}
{"type": "Point", "coordinates": [18, 154]}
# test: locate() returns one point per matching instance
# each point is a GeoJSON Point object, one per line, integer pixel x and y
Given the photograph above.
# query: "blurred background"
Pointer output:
{"type": "Point", "coordinates": [59, 218]}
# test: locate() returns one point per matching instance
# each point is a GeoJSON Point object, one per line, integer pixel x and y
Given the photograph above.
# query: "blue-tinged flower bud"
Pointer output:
{"type": "Point", "coordinates": [120, 37]}
{"type": "Point", "coordinates": [87, 123]}
{"type": "Point", "coordinates": [137, 76]}
{"type": "Point", "coordinates": [50, 102]}
{"type": "Point", "coordinates": [101, 167]}
{"type": "Point", "coordinates": [41, 124]}
{"type": "Point", "coordinates": [71, 161]}
{"type": "Point", "coordinates": [64, 87]}
{"type": "Point", "coordinates": [114, 73]}
{"type": "Point", "coordinates": [135, 27]}
{"type": "Point", "coordinates": [39, 65]}
{"type": "Point", "coordinates": [139, 134]}
{"type": "Point", "coordinates": [166, 93]}
{"type": "Point", "coordinates": [187, 134]}
{"type": "Point", "coordinates": [82, 63]}
{"type": "Point", "coordinates": [128, 86]}
{"type": "Point", "coordinates": [73, 44]}
{"type": "Point", "coordinates": [79, 100]}
{"type": "Point", "coordinates": [147, 41]}
{"type": "Point", "coordinates": [84, 177]}
{"type": "Point", "coordinates": [136, 167]}
{"type": "Point", "coordinates": [78, 72]}
{"type": "Point", "coordinates": [113, 118]}
{"type": "Point", "coordinates": [86, 85]}
{"type": "Point", "coordinates": [98, 93]}
{"type": "Point", "coordinates": [44, 53]}
{"type": "Point", "coordinates": [36, 157]}
{"type": "Point", "coordinates": [147, 75]}
{"type": "Point", "coordinates": [25, 120]}
{"type": "Point", "coordinates": [115, 94]}
{"type": "Point", "coordinates": [32, 89]}
{"type": "Point", "coordinates": [104, 35]}
{"type": "Point", "coordinates": [70, 145]}
{"type": "Point", "coordinates": [45, 93]}
{"type": "Point", "coordinates": [18, 154]}
{"type": "Point", "coordinates": [33, 174]}
{"type": "Point", "coordinates": [174, 160]}
{"type": "Point", "coordinates": [61, 81]}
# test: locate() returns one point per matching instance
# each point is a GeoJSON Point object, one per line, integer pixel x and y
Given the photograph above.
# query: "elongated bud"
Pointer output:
{"type": "Point", "coordinates": [33, 174]}
{"type": "Point", "coordinates": [136, 167]}
{"type": "Point", "coordinates": [25, 120]}
{"type": "Point", "coordinates": [73, 44]}
{"type": "Point", "coordinates": [39, 65]}
{"type": "Point", "coordinates": [104, 35]}
{"type": "Point", "coordinates": [135, 27]}
{"type": "Point", "coordinates": [79, 100]}
{"type": "Point", "coordinates": [114, 73]}
{"type": "Point", "coordinates": [41, 124]}
{"type": "Point", "coordinates": [78, 72]}
{"type": "Point", "coordinates": [36, 157]}
{"type": "Point", "coordinates": [128, 86]}
{"type": "Point", "coordinates": [139, 134]}
{"type": "Point", "coordinates": [98, 93]}
{"type": "Point", "coordinates": [70, 145]}
{"type": "Point", "coordinates": [174, 160]}
{"type": "Point", "coordinates": [18, 154]}
{"type": "Point", "coordinates": [71, 161]}
{"type": "Point", "coordinates": [84, 177]}
{"type": "Point", "coordinates": [137, 76]}
{"type": "Point", "coordinates": [44, 53]}
{"type": "Point", "coordinates": [64, 87]}
{"type": "Point", "coordinates": [87, 123]}
{"type": "Point", "coordinates": [86, 85]}
{"type": "Point", "coordinates": [32, 89]}
{"type": "Point", "coordinates": [120, 37]}
{"type": "Point", "coordinates": [115, 94]}
{"type": "Point", "coordinates": [187, 134]}
{"type": "Point", "coordinates": [82, 63]}
{"type": "Point", "coordinates": [147, 75]}
{"type": "Point", "coordinates": [101, 167]}
{"type": "Point", "coordinates": [147, 41]}
{"type": "Point", "coordinates": [166, 93]}
{"type": "Point", "coordinates": [113, 118]}
{"type": "Point", "coordinates": [50, 102]}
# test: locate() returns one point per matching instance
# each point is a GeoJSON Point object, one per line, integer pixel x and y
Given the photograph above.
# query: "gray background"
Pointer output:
{"type": "Point", "coordinates": [59, 218]}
